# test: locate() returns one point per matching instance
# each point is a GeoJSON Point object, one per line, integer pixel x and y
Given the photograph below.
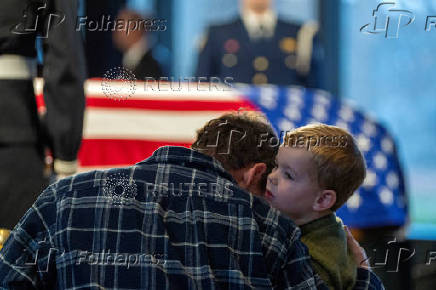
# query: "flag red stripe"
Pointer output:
{"type": "Point", "coordinates": [113, 152]}
{"type": "Point", "coordinates": [169, 105]}
{"type": "Point", "coordinates": [163, 105]}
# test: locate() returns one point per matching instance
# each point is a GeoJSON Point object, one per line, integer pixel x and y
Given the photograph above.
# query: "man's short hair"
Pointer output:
{"type": "Point", "coordinates": [339, 164]}
{"type": "Point", "coordinates": [235, 139]}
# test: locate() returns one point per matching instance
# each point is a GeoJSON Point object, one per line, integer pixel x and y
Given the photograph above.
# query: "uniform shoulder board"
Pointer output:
{"type": "Point", "coordinates": [201, 41]}
{"type": "Point", "coordinates": [305, 46]}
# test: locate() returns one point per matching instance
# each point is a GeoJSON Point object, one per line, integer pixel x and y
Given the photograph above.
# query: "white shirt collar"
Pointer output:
{"type": "Point", "coordinates": [252, 22]}
{"type": "Point", "coordinates": [134, 54]}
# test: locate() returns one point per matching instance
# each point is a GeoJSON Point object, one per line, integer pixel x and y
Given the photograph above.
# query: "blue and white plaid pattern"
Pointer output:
{"type": "Point", "coordinates": [137, 228]}
{"type": "Point", "coordinates": [381, 200]}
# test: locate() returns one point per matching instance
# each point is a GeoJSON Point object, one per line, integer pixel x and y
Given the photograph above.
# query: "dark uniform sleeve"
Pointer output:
{"type": "Point", "coordinates": [206, 65]}
{"type": "Point", "coordinates": [27, 260]}
{"type": "Point", "coordinates": [315, 78]}
{"type": "Point", "coordinates": [64, 75]}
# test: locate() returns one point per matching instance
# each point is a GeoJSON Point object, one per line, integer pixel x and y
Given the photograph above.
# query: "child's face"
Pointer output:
{"type": "Point", "coordinates": [291, 186]}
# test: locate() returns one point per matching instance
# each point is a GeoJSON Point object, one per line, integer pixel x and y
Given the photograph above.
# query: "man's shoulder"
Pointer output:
{"type": "Point", "coordinates": [153, 178]}
{"type": "Point", "coordinates": [272, 221]}
{"type": "Point", "coordinates": [86, 181]}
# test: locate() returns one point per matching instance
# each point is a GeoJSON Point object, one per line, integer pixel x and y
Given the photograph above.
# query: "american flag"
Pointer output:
{"type": "Point", "coordinates": [123, 132]}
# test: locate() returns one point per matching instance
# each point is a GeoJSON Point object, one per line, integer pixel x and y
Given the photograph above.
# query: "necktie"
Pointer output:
{"type": "Point", "coordinates": [261, 31]}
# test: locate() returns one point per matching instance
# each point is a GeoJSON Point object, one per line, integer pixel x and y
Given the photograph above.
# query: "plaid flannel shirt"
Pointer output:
{"type": "Point", "coordinates": [176, 220]}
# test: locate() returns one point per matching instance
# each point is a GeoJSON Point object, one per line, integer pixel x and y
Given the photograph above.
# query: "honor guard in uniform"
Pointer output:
{"type": "Point", "coordinates": [23, 136]}
{"type": "Point", "coordinates": [259, 48]}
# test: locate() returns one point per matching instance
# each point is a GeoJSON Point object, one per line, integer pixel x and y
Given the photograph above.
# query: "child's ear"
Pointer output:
{"type": "Point", "coordinates": [325, 200]}
{"type": "Point", "coordinates": [253, 175]}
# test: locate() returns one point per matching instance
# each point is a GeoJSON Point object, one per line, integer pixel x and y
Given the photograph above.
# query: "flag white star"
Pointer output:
{"type": "Point", "coordinates": [342, 124]}
{"type": "Point", "coordinates": [293, 113]}
{"type": "Point", "coordinates": [268, 97]}
{"type": "Point", "coordinates": [386, 196]}
{"type": "Point", "coordinates": [286, 125]}
{"type": "Point", "coordinates": [295, 96]}
{"type": "Point", "coordinates": [346, 113]}
{"type": "Point", "coordinates": [322, 97]}
{"type": "Point", "coordinates": [380, 161]}
{"type": "Point", "coordinates": [319, 112]}
{"type": "Point", "coordinates": [369, 128]}
{"type": "Point", "coordinates": [387, 145]}
{"type": "Point", "coordinates": [363, 143]}
{"type": "Point", "coordinates": [354, 201]}
{"type": "Point", "coordinates": [392, 180]}
{"type": "Point", "coordinates": [370, 179]}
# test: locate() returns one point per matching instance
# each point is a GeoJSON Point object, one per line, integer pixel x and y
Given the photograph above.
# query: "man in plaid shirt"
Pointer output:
{"type": "Point", "coordinates": [180, 219]}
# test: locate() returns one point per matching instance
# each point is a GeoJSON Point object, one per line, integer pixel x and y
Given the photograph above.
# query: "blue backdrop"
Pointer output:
{"type": "Point", "coordinates": [393, 79]}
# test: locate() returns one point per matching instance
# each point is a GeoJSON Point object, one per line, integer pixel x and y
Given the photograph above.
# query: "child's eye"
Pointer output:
{"type": "Point", "coordinates": [289, 176]}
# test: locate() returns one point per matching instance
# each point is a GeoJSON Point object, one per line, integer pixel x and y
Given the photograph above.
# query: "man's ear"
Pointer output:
{"type": "Point", "coordinates": [253, 175]}
{"type": "Point", "coordinates": [325, 200]}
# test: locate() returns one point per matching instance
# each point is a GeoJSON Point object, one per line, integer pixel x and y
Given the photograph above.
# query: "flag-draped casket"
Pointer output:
{"type": "Point", "coordinates": [123, 131]}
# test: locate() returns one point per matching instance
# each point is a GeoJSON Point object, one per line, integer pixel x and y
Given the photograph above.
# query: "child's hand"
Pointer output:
{"type": "Point", "coordinates": [359, 254]}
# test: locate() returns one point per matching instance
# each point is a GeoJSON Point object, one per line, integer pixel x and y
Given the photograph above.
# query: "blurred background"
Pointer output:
{"type": "Point", "coordinates": [389, 79]}
{"type": "Point", "coordinates": [386, 77]}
